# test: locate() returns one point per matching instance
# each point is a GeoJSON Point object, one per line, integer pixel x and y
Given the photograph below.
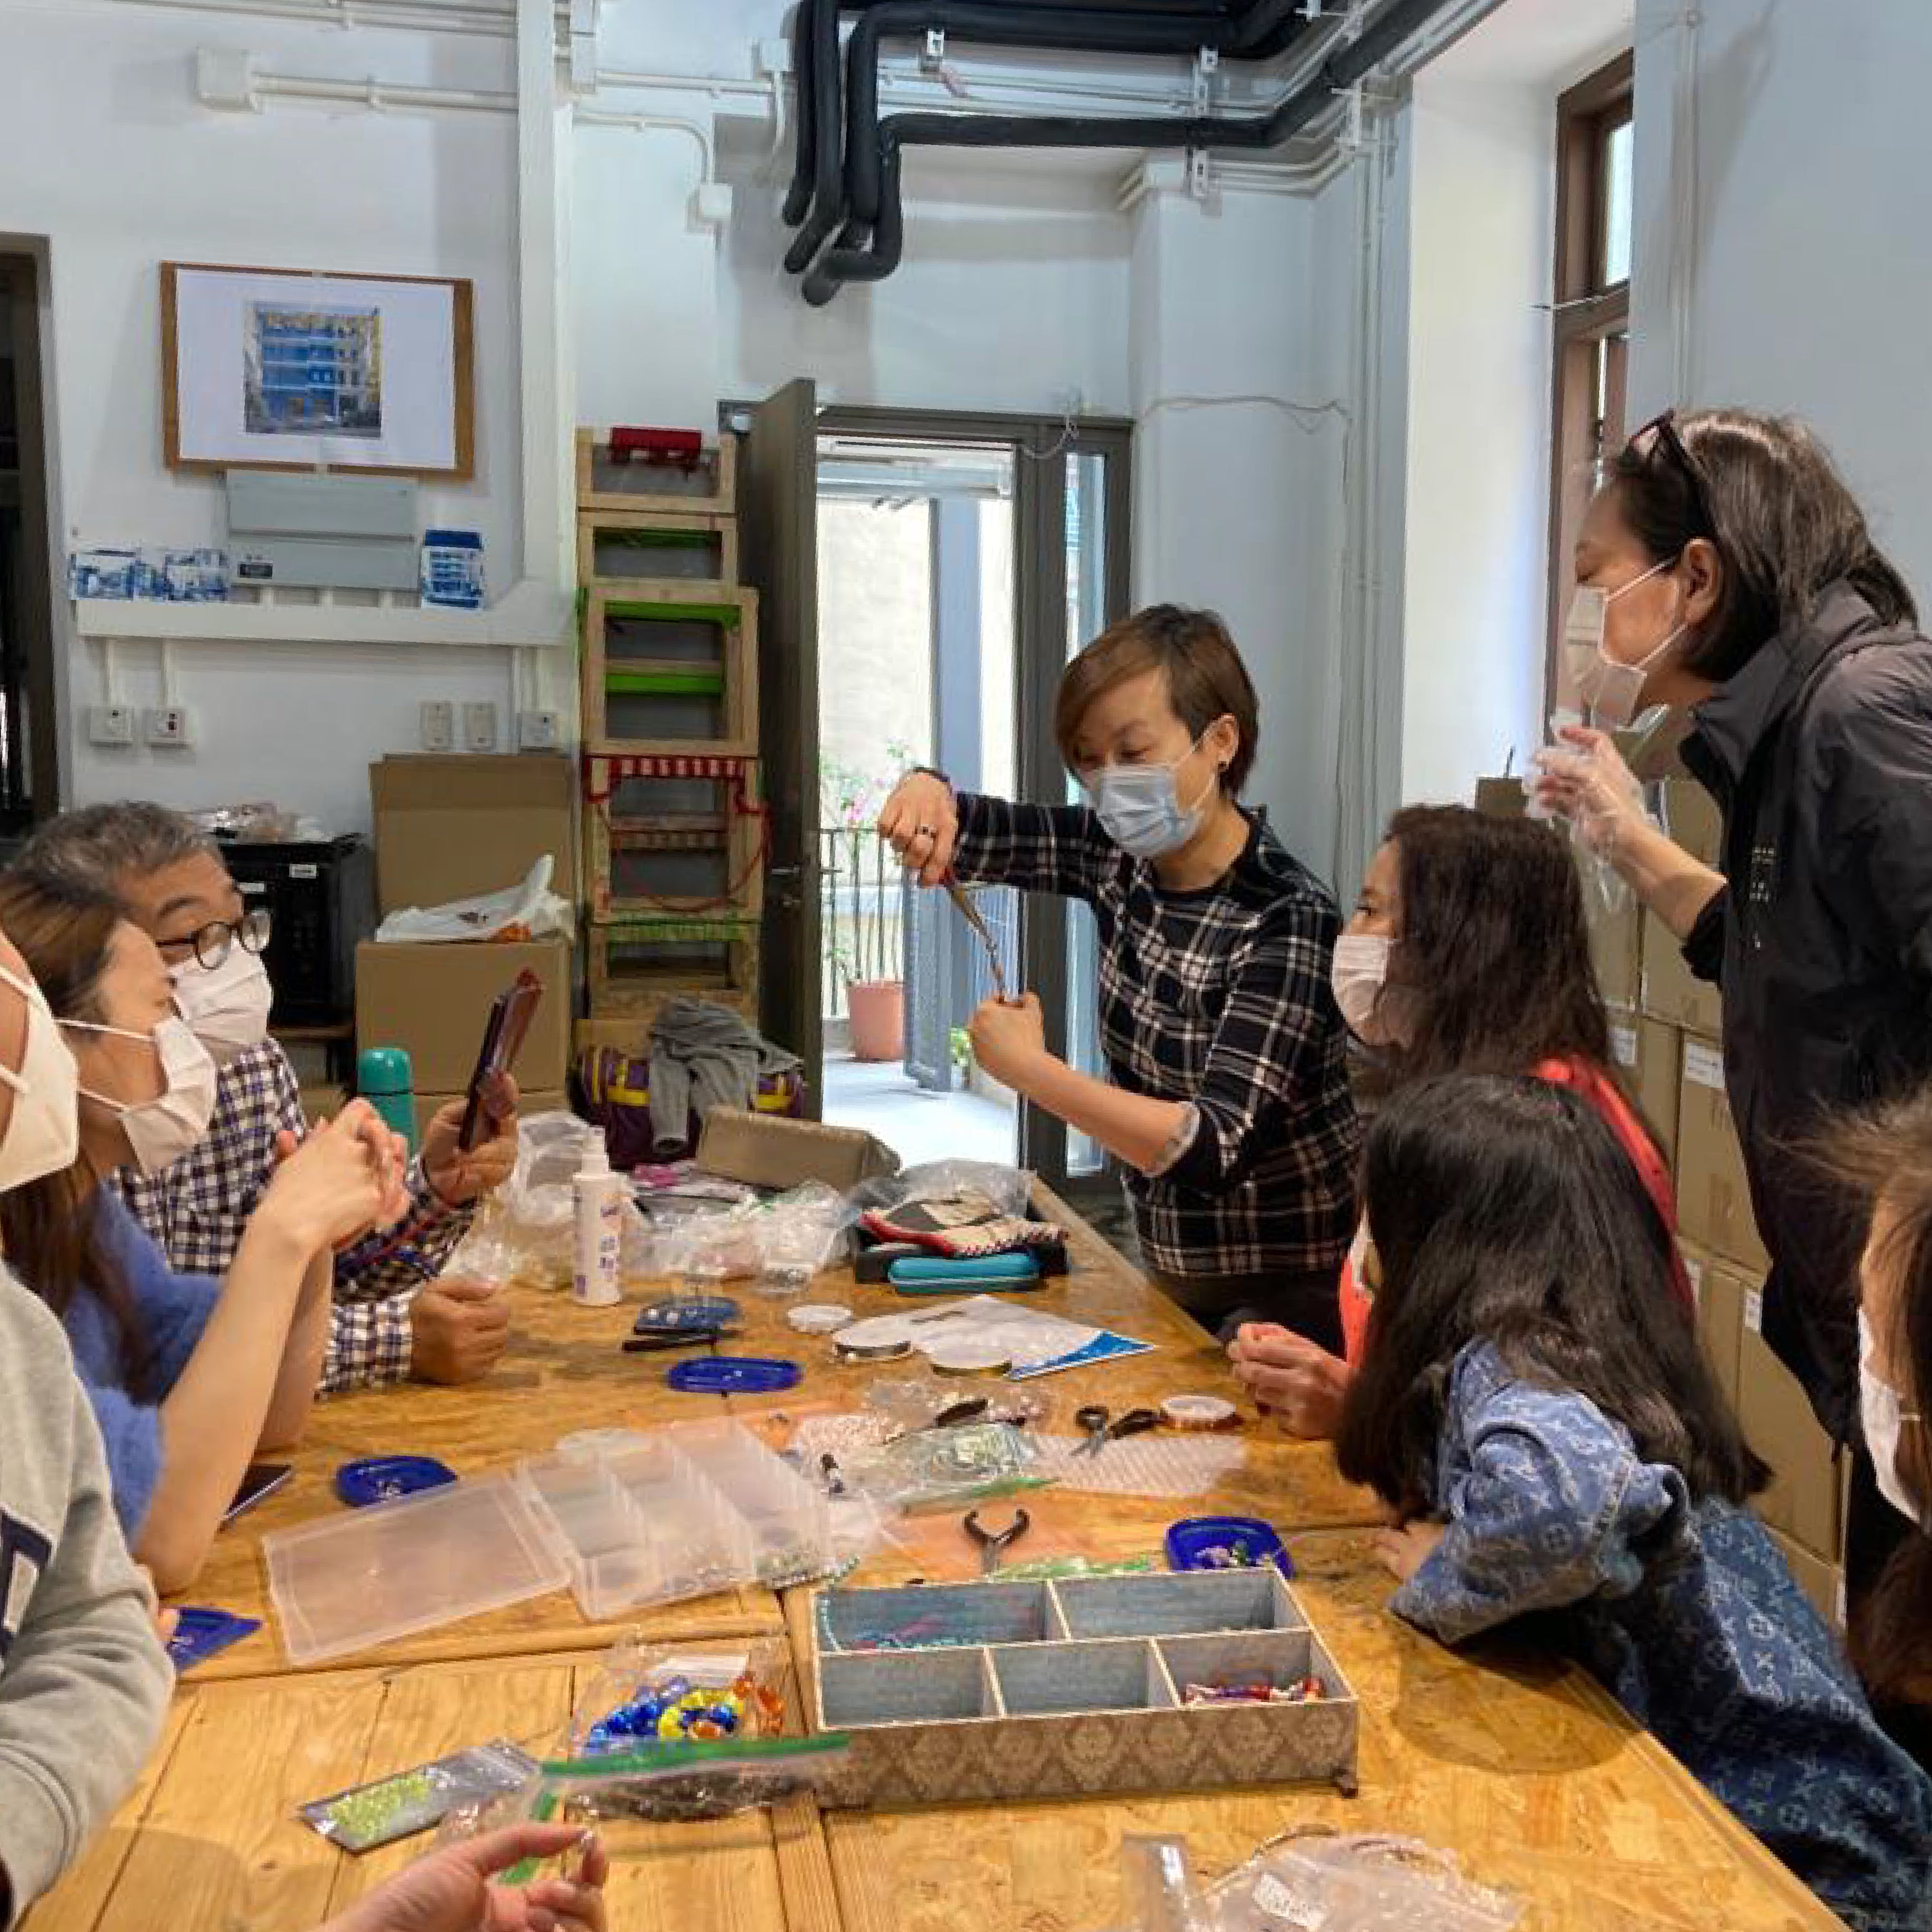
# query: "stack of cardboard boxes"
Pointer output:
{"type": "Point", "coordinates": [1666, 1035]}
{"type": "Point", "coordinates": [453, 828]}
{"type": "Point", "coordinates": [1665, 1032]}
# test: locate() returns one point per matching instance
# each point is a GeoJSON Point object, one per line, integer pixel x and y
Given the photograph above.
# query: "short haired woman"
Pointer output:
{"type": "Point", "coordinates": [1229, 1101]}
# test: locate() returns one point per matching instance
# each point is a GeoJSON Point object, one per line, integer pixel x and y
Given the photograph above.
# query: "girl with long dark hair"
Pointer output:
{"type": "Point", "coordinates": [1552, 1446]}
{"type": "Point", "coordinates": [1467, 953]}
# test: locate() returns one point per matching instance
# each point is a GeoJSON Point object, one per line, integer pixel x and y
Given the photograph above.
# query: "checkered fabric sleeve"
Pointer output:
{"type": "Point", "coordinates": [1034, 848]}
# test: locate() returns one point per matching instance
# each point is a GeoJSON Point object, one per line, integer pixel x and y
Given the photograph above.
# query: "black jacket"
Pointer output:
{"type": "Point", "coordinates": [1820, 753]}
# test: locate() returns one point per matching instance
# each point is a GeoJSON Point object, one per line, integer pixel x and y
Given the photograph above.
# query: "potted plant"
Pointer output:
{"type": "Point", "coordinates": [867, 953]}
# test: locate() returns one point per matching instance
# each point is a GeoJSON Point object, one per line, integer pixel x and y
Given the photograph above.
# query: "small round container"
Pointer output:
{"type": "Point", "coordinates": [1199, 1412]}
{"type": "Point", "coordinates": [382, 1479]}
{"type": "Point", "coordinates": [1250, 1542]}
{"type": "Point", "coordinates": [687, 1313]}
{"type": "Point", "coordinates": [819, 1317]}
{"type": "Point", "coordinates": [967, 1357]}
{"type": "Point", "coordinates": [734, 1375]}
{"type": "Point", "coordinates": [870, 1352]}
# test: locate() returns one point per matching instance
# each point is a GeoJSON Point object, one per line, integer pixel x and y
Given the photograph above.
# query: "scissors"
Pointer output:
{"type": "Point", "coordinates": [970, 913]}
{"type": "Point", "coordinates": [1102, 1428]}
{"type": "Point", "coordinates": [992, 1546]}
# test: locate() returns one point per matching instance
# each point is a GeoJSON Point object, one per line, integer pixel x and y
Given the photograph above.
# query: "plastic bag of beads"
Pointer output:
{"type": "Point", "coordinates": [917, 1402]}
{"type": "Point", "coordinates": [684, 1783]}
{"type": "Point", "coordinates": [651, 1694]}
{"type": "Point", "coordinates": [944, 1468]}
{"type": "Point", "coordinates": [380, 1812]}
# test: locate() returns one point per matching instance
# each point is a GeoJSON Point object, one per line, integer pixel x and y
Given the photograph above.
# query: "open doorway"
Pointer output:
{"type": "Point", "coordinates": [29, 768]}
{"type": "Point", "coordinates": [916, 667]}
{"type": "Point", "coordinates": [966, 556]}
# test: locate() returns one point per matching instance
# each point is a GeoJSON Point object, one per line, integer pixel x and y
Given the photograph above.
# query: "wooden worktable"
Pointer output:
{"type": "Point", "coordinates": [565, 1371]}
{"type": "Point", "coordinates": [1522, 1765]}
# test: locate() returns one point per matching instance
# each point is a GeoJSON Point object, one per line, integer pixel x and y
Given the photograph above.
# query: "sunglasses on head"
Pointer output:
{"type": "Point", "coordinates": [1660, 433]}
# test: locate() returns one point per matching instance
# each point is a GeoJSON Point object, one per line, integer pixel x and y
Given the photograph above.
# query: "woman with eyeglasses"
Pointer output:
{"type": "Point", "coordinates": [394, 1315]}
{"type": "Point", "coordinates": [1725, 569]}
{"type": "Point", "coordinates": [189, 1378]}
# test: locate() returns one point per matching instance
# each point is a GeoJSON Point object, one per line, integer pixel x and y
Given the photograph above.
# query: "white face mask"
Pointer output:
{"type": "Point", "coordinates": [1139, 806]}
{"type": "Point", "coordinates": [1882, 1411]}
{"type": "Point", "coordinates": [43, 1130]}
{"type": "Point", "coordinates": [1359, 975]}
{"type": "Point", "coordinates": [1609, 690]}
{"type": "Point", "coordinates": [227, 1006]}
{"type": "Point", "coordinates": [160, 1131]}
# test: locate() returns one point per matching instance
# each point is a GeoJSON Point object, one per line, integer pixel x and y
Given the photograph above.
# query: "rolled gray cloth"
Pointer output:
{"type": "Point", "coordinates": [703, 1056]}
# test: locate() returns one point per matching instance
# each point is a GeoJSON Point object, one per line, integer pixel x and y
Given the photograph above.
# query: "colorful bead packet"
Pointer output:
{"type": "Point", "coordinates": [367, 1816]}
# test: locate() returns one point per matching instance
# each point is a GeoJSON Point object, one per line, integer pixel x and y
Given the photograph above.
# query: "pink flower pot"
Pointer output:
{"type": "Point", "coordinates": [877, 1007]}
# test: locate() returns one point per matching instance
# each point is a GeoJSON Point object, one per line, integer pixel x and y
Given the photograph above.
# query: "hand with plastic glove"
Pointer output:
{"type": "Point", "coordinates": [1583, 778]}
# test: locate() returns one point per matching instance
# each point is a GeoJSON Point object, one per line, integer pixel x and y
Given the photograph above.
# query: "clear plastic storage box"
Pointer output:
{"type": "Point", "coordinates": [349, 1582]}
{"type": "Point", "coordinates": [684, 1513]}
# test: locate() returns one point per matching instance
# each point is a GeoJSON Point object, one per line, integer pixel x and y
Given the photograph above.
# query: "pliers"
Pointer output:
{"type": "Point", "coordinates": [992, 1546]}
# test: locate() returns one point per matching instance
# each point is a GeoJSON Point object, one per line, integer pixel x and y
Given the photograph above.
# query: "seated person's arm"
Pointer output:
{"type": "Point", "coordinates": [1547, 1516]}
{"type": "Point", "coordinates": [256, 1360]}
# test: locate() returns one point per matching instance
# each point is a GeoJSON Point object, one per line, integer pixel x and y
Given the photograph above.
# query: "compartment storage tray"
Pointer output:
{"type": "Point", "coordinates": [986, 1692]}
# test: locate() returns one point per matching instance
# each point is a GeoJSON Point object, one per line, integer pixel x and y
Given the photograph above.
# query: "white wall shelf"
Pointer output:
{"type": "Point", "coordinates": [530, 615]}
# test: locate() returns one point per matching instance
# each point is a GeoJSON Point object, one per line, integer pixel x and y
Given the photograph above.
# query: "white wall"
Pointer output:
{"type": "Point", "coordinates": [1235, 491]}
{"type": "Point", "coordinates": [1810, 275]}
{"type": "Point", "coordinates": [1479, 137]}
{"type": "Point", "coordinates": [104, 151]}
{"type": "Point", "coordinates": [1482, 225]}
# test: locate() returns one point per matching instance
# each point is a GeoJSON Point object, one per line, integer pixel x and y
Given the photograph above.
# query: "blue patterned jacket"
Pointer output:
{"type": "Point", "coordinates": [1690, 1618]}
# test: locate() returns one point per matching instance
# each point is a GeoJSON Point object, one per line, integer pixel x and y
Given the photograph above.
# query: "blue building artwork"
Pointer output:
{"type": "Point", "coordinates": [313, 371]}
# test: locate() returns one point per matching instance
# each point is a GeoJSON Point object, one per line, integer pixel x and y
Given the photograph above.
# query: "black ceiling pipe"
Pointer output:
{"type": "Point", "coordinates": [1345, 65]}
{"type": "Point", "coordinates": [1066, 29]}
{"type": "Point", "coordinates": [825, 204]}
{"type": "Point", "coordinates": [1253, 29]}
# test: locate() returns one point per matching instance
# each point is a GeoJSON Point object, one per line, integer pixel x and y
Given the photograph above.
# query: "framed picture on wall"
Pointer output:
{"type": "Point", "coordinates": [280, 369]}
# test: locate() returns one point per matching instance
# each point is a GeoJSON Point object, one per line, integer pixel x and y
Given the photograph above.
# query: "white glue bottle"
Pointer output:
{"type": "Point", "coordinates": [597, 1193]}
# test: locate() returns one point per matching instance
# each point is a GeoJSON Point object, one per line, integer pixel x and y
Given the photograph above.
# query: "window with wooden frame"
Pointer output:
{"type": "Point", "coordinates": [1592, 301]}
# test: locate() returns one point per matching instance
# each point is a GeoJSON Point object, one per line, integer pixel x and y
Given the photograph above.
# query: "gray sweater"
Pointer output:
{"type": "Point", "coordinates": [84, 1681]}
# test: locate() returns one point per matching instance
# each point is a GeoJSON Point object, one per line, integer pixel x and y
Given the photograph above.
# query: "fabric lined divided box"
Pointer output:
{"type": "Point", "coordinates": [976, 1693]}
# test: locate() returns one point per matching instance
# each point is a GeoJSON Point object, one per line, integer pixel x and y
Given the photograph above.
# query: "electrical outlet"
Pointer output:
{"type": "Point", "coordinates": [438, 717]}
{"type": "Point", "coordinates": [110, 723]}
{"type": "Point", "coordinates": [479, 726]}
{"type": "Point", "coordinates": [539, 731]}
{"type": "Point", "coordinates": [169, 725]}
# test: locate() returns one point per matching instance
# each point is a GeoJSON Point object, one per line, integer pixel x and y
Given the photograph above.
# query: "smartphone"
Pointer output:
{"type": "Point", "coordinates": [511, 1013]}
{"type": "Point", "coordinates": [262, 1479]}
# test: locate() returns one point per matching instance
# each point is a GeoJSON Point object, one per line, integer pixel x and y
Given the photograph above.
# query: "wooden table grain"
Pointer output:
{"type": "Point", "coordinates": [565, 1371]}
{"type": "Point", "coordinates": [1519, 1763]}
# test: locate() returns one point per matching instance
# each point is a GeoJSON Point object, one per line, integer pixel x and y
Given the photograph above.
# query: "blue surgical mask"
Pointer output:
{"type": "Point", "coordinates": [1139, 806]}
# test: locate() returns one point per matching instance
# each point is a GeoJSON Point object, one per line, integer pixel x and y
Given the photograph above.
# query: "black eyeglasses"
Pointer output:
{"type": "Point", "coordinates": [1660, 433]}
{"type": "Point", "coordinates": [211, 944]}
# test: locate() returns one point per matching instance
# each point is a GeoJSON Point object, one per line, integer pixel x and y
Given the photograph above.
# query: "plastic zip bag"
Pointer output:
{"type": "Point", "coordinates": [379, 1813]}
{"type": "Point", "coordinates": [681, 1783]}
{"type": "Point", "coordinates": [1008, 1189]}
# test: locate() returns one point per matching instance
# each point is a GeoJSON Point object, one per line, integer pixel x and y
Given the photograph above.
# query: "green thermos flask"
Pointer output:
{"type": "Point", "coordinates": [383, 1078]}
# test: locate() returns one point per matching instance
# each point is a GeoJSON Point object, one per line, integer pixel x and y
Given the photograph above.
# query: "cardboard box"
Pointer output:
{"type": "Point", "coordinates": [1721, 1290]}
{"type": "Point", "coordinates": [1691, 817]}
{"type": "Point", "coordinates": [1501, 798]}
{"type": "Point", "coordinates": [1616, 952]}
{"type": "Point", "coordinates": [1823, 1582]}
{"type": "Point", "coordinates": [1658, 1082]}
{"type": "Point", "coordinates": [1714, 1204]}
{"type": "Point", "coordinates": [530, 1104]}
{"type": "Point", "coordinates": [1805, 1499]}
{"type": "Point", "coordinates": [433, 1001]}
{"type": "Point", "coordinates": [455, 827]}
{"type": "Point", "coordinates": [766, 1150]}
{"type": "Point", "coordinates": [1670, 990]}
